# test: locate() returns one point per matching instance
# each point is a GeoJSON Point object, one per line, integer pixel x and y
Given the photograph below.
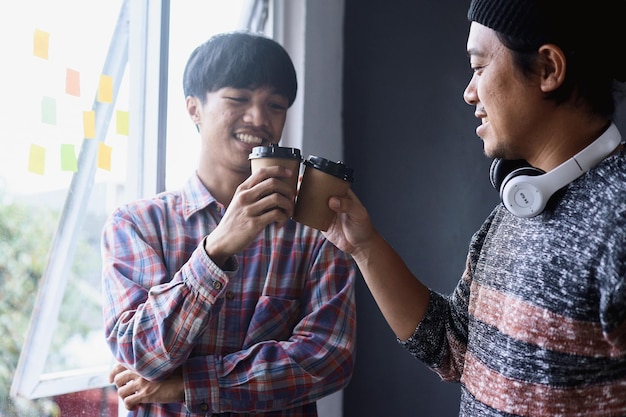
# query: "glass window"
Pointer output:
{"type": "Point", "coordinates": [71, 152]}
{"type": "Point", "coordinates": [64, 133]}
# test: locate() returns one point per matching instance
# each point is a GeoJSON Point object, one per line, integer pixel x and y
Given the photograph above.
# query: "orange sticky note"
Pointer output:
{"type": "Point", "coordinates": [68, 158]}
{"type": "Point", "coordinates": [122, 121]}
{"type": "Point", "coordinates": [104, 156]}
{"type": "Point", "coordinates": [72, 82]}
{"type": "Point", "coordinates": [89, 124]}
{"type": "Point", "coordinates": [48, 110]}
{"type": "Point", "coordinates": [105, 89]}
{"type": "Point", "coordinates": [41, 41]}
{"type": "Point", "coordinates": [36, 159]}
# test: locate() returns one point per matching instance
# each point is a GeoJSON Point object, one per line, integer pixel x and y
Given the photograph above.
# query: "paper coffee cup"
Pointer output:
{"type": "Point", "coordinates": [321, 180]}
{"type": "Point", "coordinates": [267, 156]}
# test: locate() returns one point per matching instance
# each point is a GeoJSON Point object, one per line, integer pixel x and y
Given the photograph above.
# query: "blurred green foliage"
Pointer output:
{"type": "Point", "coordinates": [26, 235]}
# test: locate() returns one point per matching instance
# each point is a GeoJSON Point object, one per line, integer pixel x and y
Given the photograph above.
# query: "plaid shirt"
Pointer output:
{"type": "Point", "coordinates": [269, 337]}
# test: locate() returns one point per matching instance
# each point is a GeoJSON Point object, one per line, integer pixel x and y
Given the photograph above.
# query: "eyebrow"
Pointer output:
{"type": "Point", "coordinates": [474, 52]}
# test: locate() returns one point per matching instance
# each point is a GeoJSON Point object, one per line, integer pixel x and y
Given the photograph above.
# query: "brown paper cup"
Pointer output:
{"type": "Point", "coordinates": [316, 189]}
{"type": "Point", "coordinates": [267, 156]}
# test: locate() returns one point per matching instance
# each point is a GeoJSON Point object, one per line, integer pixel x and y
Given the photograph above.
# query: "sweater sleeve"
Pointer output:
{"type": "Point", "coordinates": [612, 283]}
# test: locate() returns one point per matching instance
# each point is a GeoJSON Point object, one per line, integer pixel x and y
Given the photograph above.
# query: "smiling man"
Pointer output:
{"type": "Point", "coordinates": [536, 325]}
{"type": "Point", "coordinates": [215, 301]}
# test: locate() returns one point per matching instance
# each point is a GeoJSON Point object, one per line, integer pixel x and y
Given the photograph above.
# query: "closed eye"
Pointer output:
{"type": "Point", "coordinates": [277, 106]}
{"type": "Point", "coordinates": [476, 68]}
{"type": "Point", "coordinates": [237, 99]}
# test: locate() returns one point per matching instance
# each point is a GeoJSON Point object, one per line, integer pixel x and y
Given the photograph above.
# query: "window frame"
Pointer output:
{"type": "Point", "coordinates": [29, 380]}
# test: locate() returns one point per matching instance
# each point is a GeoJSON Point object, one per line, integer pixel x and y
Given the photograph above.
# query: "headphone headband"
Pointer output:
{"type": "Point", "coordinates": [525, 191]}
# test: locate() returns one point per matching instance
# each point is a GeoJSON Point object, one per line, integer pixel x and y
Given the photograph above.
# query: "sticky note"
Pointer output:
{"type": "Point", "coordinates": [40, 44]}
{"type": "Point", "coordinates": [68, 158]}
{"type": "Point", "coordinates": [104, 156]}
{"type": "Point", "coordinates": [105, 89]}
{"type": "Point", "coordinates": [89, 124]}
{"type": "Point", "coordinates": [48, 110]}
{"type": "Point", "coordinates": [121, 122]}
{"type": "Point", "coordinates": [72, 82]}
{"type": "Point", "coordinates": [36, 159]}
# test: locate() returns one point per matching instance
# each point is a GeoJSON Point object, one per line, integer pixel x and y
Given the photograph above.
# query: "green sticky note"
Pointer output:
{"type": "Point", "coordinates": [48, 110]}
{"type": "Point", "coordinates": [68, 158]}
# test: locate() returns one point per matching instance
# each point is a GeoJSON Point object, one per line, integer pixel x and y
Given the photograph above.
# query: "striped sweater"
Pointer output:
{"type": "Point", "coordinates": [537, 324]}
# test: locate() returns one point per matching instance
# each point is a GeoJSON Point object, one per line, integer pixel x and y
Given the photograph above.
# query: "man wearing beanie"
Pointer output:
{"type": "Point", "coordinates": [537, 323]}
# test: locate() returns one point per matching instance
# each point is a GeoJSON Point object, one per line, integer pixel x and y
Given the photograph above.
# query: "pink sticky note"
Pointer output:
{"type": "Point", "coordinates": [72, 82]}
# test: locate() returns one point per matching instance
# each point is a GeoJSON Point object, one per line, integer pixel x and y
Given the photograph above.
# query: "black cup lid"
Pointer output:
{"type": "Point", "coordinates": [337, 169]}
{"type": "Point", "coordinates": [275, 151]}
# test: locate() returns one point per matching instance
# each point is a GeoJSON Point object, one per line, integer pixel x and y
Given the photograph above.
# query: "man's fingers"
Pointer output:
{"type": "Point", "coordinates": [116, 370]}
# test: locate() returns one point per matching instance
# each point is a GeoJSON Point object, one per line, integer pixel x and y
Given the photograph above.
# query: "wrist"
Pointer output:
{"type": "Point", "coordinates": [213, 251]}
{"type": "Point", "coordinates": [362, 253]}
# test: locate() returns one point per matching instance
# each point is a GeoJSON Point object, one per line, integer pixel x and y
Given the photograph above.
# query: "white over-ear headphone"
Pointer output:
{"type": "Point", "coordinates": [525, 190]}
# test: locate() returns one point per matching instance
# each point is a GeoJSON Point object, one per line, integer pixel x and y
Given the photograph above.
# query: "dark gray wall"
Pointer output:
{"type": "Point", "coordinates": [421, 173]}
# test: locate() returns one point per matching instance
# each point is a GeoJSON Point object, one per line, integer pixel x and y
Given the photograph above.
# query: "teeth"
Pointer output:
{"type": "Point", "coordinates": [252, 140]}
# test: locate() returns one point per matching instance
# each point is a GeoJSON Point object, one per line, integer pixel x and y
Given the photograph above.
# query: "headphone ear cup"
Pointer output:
{"type": "Point", "coordinates": [528, 171]}
{"type": "Point", "coordinates": [523, 195]}
{"type": "Point", "coordinates": [501, 169]}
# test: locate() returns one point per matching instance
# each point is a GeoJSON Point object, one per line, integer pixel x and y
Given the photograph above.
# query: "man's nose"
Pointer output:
{"type": "Point", "coordinates": [469, 94]}
{"type": "Point", "coordinates": [257, 115]}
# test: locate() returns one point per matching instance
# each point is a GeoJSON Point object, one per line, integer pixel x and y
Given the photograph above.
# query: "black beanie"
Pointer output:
{"type": "Point", "coordinates": [534, 21]}
{"type": "Point", "coordinates": [594, 31]}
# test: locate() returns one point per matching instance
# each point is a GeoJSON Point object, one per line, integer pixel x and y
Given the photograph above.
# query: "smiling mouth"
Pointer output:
{"type": "Point", "coordinates": [249, 139]}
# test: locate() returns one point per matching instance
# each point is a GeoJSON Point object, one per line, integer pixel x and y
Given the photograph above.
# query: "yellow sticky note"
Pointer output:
{"type": "Point", "coordinates": [48, 110]}
{"type": "Point", "coordinates": [68, 158]}
{"type": "Point", "coordinates": [40, 44]}
{"type": "Point", "coordinates": [104, 156]}
{"type": "Point", "coordinates": [105, 89]}
{"type": "Point", "coordinates": [122, 121]}
{"type": "Point", "coordinates": [89, 124]}
{"type": "Point", "coordinates": [72, 82]}
{"type": "Point", "coordinates": [37, 159]}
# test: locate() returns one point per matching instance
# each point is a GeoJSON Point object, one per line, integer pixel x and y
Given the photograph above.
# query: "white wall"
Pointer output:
{"type": "Point", "coordinates": [312, 33]}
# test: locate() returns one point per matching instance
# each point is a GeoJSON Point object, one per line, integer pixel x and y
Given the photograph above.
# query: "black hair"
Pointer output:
{"type": "Point", "coordinates": [239, 59]}
{"type": "Point", "coordinates": [591, 74]}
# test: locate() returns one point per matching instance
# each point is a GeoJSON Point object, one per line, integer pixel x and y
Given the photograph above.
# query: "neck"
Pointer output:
{"type": "Point", "coordinates": [564, 138]}
{"type": "Point", "coordinates": [221, 185]}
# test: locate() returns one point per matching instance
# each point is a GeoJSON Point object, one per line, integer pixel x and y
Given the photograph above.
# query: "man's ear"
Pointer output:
{"type": "Point", "coordinates": [552, 67]}
{"type": "Point", "coordinates": [193, 109]}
